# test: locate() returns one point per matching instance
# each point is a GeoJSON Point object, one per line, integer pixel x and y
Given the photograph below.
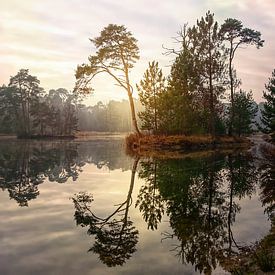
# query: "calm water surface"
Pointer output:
{"type": "Point", "coordinates": [87, 208]}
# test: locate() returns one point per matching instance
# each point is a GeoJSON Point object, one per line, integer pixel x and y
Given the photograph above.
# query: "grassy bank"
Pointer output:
{"type": "Point", "coordinates": [179, 143]}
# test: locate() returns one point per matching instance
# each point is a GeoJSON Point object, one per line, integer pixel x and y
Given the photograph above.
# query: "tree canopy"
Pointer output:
{"type": "Point", "coordinates": [268, 114]}
{"type": "Point", "coordinates": [116, 53]}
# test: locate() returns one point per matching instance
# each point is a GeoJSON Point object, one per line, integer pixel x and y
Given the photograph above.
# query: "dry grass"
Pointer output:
{"type": "Point", "coordinates": [176, 144]}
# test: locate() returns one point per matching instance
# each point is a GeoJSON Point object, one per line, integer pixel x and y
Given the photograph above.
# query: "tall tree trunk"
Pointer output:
{"type": "Point", "coordinates": [211, 90]}
{"type": "Point", "coordinates": [132, 105]}
{"type": "Point", "coordinates": [133, 113]}
{"type": "Point", "coordinates": [28, 113]}
{"type": "Point", "coordinates": [230, 130]}
{"type": "Point", "coordinates": [155, 111]}
{"type": "Point", "coordinates": [130, 95]}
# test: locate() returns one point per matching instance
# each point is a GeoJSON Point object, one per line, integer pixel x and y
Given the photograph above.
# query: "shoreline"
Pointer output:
{"type": "Point", "coordinates": [151, 145]}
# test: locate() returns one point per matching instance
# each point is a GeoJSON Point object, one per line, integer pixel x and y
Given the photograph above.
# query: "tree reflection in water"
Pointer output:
{"type": "Point", "coordinates": [250, 258]}
{"type": "Point", "coordinates": [26, 165]}
{"type": "Point", "coordinates": [150, 202]}
{"type": "Point", "coordinates": [200, 197]}
{"type": "Point", "coordinates": [267, 179]}
{"type": "Point", "coordinates": [115, 235]}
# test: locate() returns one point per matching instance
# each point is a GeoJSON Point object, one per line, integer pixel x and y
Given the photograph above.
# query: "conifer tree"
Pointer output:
{"type": "Point", "coordinates": [210, 66]}
{"type": "Point", "coordinates": [150, 89]}
{"type": "Point", "coordinates": [245, 111]}
{"type": "Point", "coordinates": [232, 30]}
{"type": "Point", "coordinates": [268, 113]}
{"type": "Point", "coordinates": [116, 54]}
{"type": "Point", "coordinates": [27, 91]}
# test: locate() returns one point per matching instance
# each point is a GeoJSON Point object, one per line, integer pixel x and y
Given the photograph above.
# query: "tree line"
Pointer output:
{"type": "Point", "coordinates": [201, 95]}
{"type": "Point", "coordinates": [114, 116]}
{"type": "Point", "coordinates": [202, 77]}
{"type": "Point", "coordinates": [27, 110]}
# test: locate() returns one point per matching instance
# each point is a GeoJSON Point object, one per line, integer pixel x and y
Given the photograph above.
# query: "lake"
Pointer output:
{"type": "Point", "coordinates": [85, 207]}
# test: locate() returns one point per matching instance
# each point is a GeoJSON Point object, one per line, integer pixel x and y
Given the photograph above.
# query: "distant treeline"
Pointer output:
{"type": "Point", "coordinates": [189, 101]}
{"type": "Point", "coordinates": [27, 110]}
{"type": "Point", "coordinates": [114, 116]}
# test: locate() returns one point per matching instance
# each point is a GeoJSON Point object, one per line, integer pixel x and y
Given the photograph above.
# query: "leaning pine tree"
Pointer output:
{"type": "Point", "coordinates": [116, 53]}
{"type": "Point", "coordinates": [268, 113]}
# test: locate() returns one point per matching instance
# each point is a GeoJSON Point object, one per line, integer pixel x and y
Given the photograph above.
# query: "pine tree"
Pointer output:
{"type": "Point", "coordinates": [182, 99]}
{"type": "Point", "coordinates": [210, 66]}
{"type": "Point", "coordinates": [150, 89]}
{"type": "Point", "coordinates": [116, 54]}
{"type": "Point", "coordinates": [245, 109]}
{"type": "Point", "coordinates": [268, 113]}
{"type": "Point", "coordinates": [232, 30]}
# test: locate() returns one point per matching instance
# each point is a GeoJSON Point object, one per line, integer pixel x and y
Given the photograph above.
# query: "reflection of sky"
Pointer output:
{"type": "Point", "coordinates": [43, 238]}
{"type": "Point", "coordinates": [51, 37]}
{"type": "Point", "coordinates": [251, 223]}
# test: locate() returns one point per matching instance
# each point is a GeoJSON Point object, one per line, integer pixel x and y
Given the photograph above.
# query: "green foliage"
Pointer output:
{"type": "Point", "coordinates": [9, 104]}
{"type": "Point", "coordinates": [211, 66]}
{"type": "Point", "coordinates": [25, 91]}
{"type": "Point", "coordinates": [26, 110]}
{"type": "Point", "coordinates": [233, 32]}
{"type": "Point", "coordinates": [265, 260]}
{"type": "Point", "coordinates": [150, 89]}
{"type": "Point", "coordinates": [181, 102]}
{"type": "Point", "coordinates": [245, 110]}
{"type": "Point", "coordinates": [191, 102]}
{"type": "Point", "coordinates": [116, 53]}
{"type": "Point", "coordinates": [268, 113]}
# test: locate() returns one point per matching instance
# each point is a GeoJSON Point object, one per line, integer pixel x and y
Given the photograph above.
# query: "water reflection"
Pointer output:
{"type": "Point", "coordinates": [25, 165]}
{"type": "Point", "coordinates": [267, 180]}
{"type": "Point", "coordinates": [261, 253]}
{"type": "Point", "coordinates": [115, 235]}
{"type": "Point", "coordinates": [201, 197]}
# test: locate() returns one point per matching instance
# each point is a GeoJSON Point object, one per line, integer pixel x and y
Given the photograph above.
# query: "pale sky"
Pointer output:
{"type": "Point", "coordinates": [51, 37]}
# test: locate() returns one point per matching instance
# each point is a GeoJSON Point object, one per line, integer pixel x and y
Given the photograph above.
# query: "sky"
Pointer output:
{"type": "Point", "coordinates": [51, 37]}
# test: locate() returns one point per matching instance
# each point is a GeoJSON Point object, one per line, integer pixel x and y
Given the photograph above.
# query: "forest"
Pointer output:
{"type": "Point", "coordinates": [202, 95]}
{"type": "Point", "coordinates": [28, 110]}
